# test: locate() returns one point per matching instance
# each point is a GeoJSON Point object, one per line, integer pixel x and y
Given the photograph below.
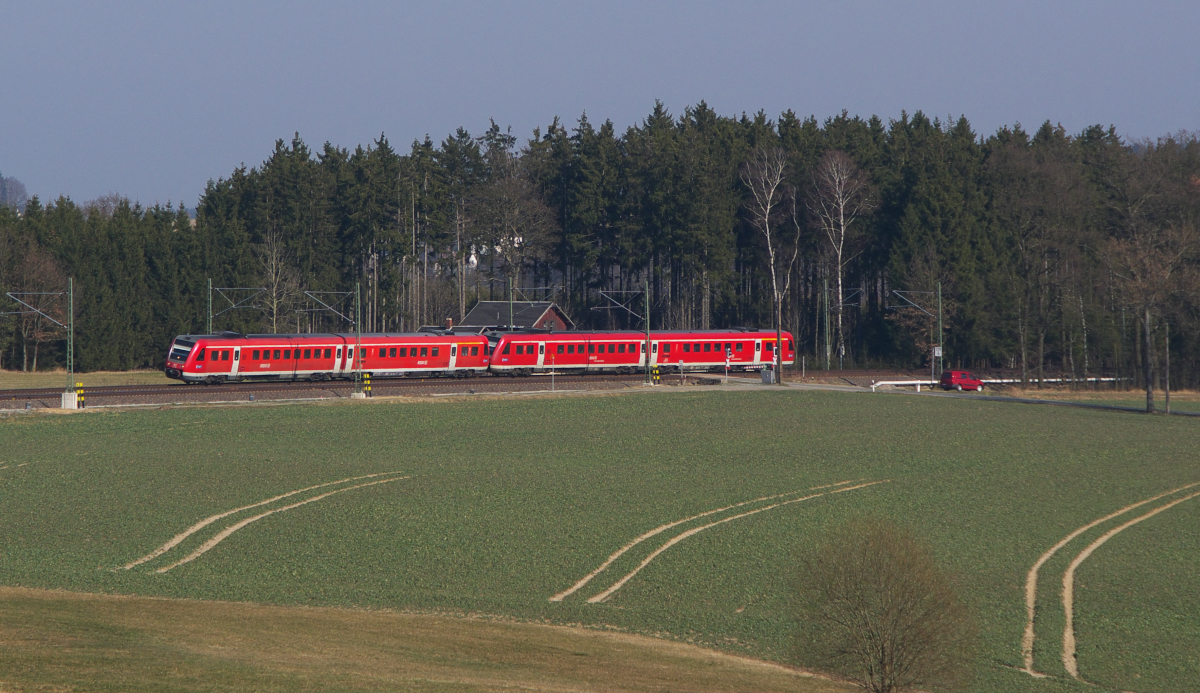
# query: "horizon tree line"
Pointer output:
{"type": "Point", "coordinates": [1055, 253]}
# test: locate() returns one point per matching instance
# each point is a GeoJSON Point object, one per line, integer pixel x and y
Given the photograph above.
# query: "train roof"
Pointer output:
{"type": "Point", "coordinates": [310, 335]}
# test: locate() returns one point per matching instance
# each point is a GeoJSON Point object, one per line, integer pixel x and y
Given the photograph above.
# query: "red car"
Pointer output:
{"type": "Point", "coordinates": [961, 380]}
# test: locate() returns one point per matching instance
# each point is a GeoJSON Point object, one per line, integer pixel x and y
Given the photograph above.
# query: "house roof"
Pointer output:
{"type": "Point", "coordinates": [524, 313]}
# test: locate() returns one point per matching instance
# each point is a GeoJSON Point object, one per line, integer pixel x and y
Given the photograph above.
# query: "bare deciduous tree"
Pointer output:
{"type": "Point", "coordinates": [516, 223]}
{"type": "Point", "coordinates": [1151, 265]}
{"type": "Point", "coordinates": [765, 176]}
{"type": "Point", "coordinates": [37, 272]}
{"type": "Point", "coordinates": [279, 277]}
{"type": "Point", "coordinates": [839, 196]}
{"type": "Point", "coordinates": [875, 609]}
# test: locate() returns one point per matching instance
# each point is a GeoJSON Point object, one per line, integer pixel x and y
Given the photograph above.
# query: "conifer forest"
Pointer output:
{"type": "Point", "coordinates": [1055, 253]}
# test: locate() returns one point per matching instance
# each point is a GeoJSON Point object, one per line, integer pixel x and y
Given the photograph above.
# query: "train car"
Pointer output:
{"type": "Point", "coordinates": [232, 357]}
{"type": "Point", "coordinates": [525, 353]}
{"type": "Point", "coordinates": [707, 350]}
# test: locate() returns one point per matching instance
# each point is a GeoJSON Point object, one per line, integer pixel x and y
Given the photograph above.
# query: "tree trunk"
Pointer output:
{"type": "Point", "coordinates": [1147, 368]}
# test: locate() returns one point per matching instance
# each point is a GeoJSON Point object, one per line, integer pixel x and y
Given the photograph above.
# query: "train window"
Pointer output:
{"type": "Point", "coordinates": [789, 345]}
{"type": "Point", "coordinates": [687, 347]}
{"type": "Point", "coordinates": [474, 351]}
{"type": "Point", "coordinates": [520, 348]}
{"type": "Point", "coordinates": [403, 352]}
{"type": "Point", "coordinates": [737, 346]}
{"type": "Point", "coordinates": [236, 355]}
{"type": "Point", "coordinates": [707, 347]}
{"type": "Point", "coordinates": [591, 348]}
{"type": "Point", "coordinates": [506, 346]}
{"type": "Point", "coordinates": [255, 355]}
{"type": "Point", "coordinates": [307, 354]}
{"type": "Point", "coordinates": [453, 350]}
{"type": "Point", "coordinates": [756, 346]}
{"type": "Point", "coordinates": [541, 348]}
{"type": "Point", "coordinates": [362, 352]}
{"type": "Point", "coordinates": [562, 349]}
{"type": "Point", "coordinates": [225, 355]}
{"type": "Point", "coordinates": [435, 351]}
{"type": "Point", "coordinates": [571, 349]}
{"type": "Point", "coordinates": [287, 354]}
{"type": "Point", "coordinates": [382, 352]}
{"type": "Point", "coordinates": [328, 353]}
{"type": "Point", "coordinates": [697, 347]}
{"type": "Point", "coordinates": [621, 349]}
{"type": "Point", "coordinates": [612, 348]}
{"type": "Point", "coordinates": [642, 350]}
{"type": "Point", "coordinates": [276, 354]}
{"type": "Point", "coordinates": [424, 351]}
{"type": "Point", "coordinates": [769, 348]}
{"type": "Point", "coordinates": [200, 355]}
{"type": "Point", "coordinates": [666, 348]}
{"type": "Point", "coordinates": [653, 348]}
{"type": "Point", "coordinates": [728, 346]}
{"type": "Point", "coordinates": [392, 353]}
{"type": "Point", "coordinates": [339, 352]}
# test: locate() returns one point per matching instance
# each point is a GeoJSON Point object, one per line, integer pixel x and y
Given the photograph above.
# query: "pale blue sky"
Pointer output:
{"type": "Point", "coordinates": [152, 99]}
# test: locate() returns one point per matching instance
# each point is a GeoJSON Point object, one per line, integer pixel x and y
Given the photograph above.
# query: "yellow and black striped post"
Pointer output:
{"type": "Point", "coordinates": [656, 376]}
{"type": "Point", "coordinates": [79, 393]}
{"type": "Point", "coordinates": [367, 383]}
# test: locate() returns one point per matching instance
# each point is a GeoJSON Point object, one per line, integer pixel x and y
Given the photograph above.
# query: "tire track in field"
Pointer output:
{"type": "Point", "coordinates": [662, 528]}
{"type": "Point", "coordinates": [179, 538]}
{"type": "Point", "coordinates": [1031, 578]}
{"type": "Point", "coordinates": [1068, 595]}
{"type": "Point", "coordinates": [224, 534]}
{"type": "Point", "coordinates": [696, 530]}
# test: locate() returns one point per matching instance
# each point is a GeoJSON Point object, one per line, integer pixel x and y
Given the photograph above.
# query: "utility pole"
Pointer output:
{"type": "Point", "coordinates": [209, 324]}
{"type": "Point", "coordinates": [510, 303]}
{"type": "Point", "coordinates": [646, 291]}
{"type": "Point", "coordinates": [941, 361]}
{"type": "Point", "coordinates": [70, 334]}
{"type": "Point", "coordinates": [357, 338]}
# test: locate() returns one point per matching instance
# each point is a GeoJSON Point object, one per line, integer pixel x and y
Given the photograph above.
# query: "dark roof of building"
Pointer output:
{"type": "Point", "coordinates": [524, 313]}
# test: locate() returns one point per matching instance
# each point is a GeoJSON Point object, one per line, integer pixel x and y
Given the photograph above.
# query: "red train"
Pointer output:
{"type": "Point", "coordinates": [232, 357]}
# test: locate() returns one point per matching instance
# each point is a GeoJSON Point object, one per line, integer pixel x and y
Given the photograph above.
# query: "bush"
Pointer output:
{"type": "Point", "coordinates": [875, 609]}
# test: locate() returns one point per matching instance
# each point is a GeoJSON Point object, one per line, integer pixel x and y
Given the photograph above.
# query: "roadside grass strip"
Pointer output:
{"type": "Point", "coordinates": [1068, 583]}
{"type": "Point", "coordinates": [1031, 579]}
{"type": "Point", "coordinates": [179, 538]}
{"type": "Point", "coordinates": [662, 528]}
{"type": "Point", "coordinates": [696, 530]}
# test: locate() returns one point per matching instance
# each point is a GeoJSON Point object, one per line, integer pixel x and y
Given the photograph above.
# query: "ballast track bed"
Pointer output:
{"type": "Point", "coordinates": [336, 389]}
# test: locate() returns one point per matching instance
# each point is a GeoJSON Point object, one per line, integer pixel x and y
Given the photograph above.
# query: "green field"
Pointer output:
{"type": "Point", "coordinates": [509, 502]}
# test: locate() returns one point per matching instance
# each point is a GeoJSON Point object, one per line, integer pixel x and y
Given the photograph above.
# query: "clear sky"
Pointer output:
{"type": "Point", "coordinates": [153, 99]}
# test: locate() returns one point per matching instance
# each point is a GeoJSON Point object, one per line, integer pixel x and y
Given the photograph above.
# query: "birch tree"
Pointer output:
{"type": "Point", "coordinates": [765, 176]}
{"type": "Point", "coordinates": [839, 196]}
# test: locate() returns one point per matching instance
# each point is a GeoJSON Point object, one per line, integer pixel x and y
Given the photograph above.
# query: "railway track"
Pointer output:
{"type": "Point", "coordinates": [334, 389]}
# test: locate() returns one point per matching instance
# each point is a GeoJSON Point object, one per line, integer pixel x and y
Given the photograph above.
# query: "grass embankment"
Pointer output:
{"type": "Point", "coordinates": [13, 380]}
{"type": "Point", "coordinates": [93, 642]}
{"type": "Point", "coordinates": [513, 501]}
{"type": "Point", "coordinates": [1183, 400]}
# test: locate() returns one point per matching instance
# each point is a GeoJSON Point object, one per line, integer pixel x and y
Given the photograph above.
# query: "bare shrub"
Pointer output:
{"type": "Point", "coordinates": [875, 609]}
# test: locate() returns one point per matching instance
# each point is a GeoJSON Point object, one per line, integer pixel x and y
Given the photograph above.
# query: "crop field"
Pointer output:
{"type": "Point", "coordinates": [678, 515]}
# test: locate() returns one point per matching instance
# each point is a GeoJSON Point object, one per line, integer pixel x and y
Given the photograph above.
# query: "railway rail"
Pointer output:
{"type": "Point", "coordinates": [265, 391]}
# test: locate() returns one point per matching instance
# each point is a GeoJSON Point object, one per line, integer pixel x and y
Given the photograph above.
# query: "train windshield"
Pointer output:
{"type": "Point", "coordinates": [180, 350]}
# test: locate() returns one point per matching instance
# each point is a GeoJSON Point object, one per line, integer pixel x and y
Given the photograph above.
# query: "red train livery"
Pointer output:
{"type": "Point", "coordinates": [232, 357]}
{"type": "Point", "coordinates": [520, 353]}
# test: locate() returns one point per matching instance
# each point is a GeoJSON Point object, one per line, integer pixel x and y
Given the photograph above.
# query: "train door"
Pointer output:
{"type": "Point", "coordinates": [654, 353]}
{"type": "Point", "coordinates": [237, 359]}
{"type": "Point", "coordinates": [758, 351]}
{"type": "Point", "coordinates": [453, 356]}
{"type": "Point", "coordinates": [541, 355]}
